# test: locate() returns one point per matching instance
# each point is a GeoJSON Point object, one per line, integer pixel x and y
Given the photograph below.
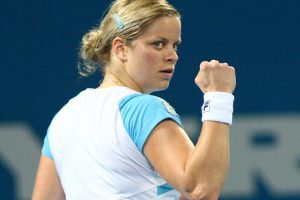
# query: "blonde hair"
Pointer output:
{"type": "Point", "coordinates": [134, 15]}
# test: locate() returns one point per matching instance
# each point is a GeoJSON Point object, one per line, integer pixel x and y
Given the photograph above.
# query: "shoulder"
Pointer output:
{"type": "Point", "coordinates": [141, 113]}
{"type": "Point", "coordinates": [146, 101]}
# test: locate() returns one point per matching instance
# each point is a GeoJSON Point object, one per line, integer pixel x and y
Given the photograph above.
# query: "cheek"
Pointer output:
{"type": "Point", "coordinates": [149, 61]}
{"type": "Point", "coordinates": [143, 63]}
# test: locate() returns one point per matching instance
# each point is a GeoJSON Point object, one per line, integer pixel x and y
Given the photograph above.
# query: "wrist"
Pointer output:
{"type": "Point", "coordinates": [218, 106]}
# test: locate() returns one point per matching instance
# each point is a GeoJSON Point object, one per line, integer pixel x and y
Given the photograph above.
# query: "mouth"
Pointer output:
{"type": "Point", "coordinates": [167, 70]}
{"type": "Point", "coordinates": [168, 73]}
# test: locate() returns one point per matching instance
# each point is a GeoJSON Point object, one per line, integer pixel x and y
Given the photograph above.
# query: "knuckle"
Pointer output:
{"type": "Point", "coordinates": [214, 63]}
{"type": "Point", "coordinates": [232, 68]}
{"type": "Point", "coordinates": [203, 63]}
{"type": "Point", "coordinates": [224, 64]}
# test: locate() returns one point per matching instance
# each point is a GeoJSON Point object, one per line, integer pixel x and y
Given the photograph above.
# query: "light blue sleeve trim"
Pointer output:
{"type": "Point", "coordinates": [141, 113]}
{"type": "Point", "coordinates": [164, 189]}
{"type": "Point", "coordinates": [46, 148]}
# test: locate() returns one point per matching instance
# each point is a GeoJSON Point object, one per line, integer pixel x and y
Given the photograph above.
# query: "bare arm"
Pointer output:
{"type": "Point", "coordinates": [198, 172]}
{"type": "Point", "coordinates": [47, 184]}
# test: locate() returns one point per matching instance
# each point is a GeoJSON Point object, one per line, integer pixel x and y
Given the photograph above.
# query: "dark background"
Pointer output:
{"type": "Point", "coordinates": [40, 42]}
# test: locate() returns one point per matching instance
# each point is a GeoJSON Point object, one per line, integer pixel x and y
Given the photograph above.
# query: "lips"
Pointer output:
{"type": "Point", "coordinates": [168, 70]}
{"type": "Point", "coordinates": [167, 73]}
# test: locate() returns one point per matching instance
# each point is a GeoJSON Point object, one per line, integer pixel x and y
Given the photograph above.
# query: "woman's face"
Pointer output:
{"type": "Point", "coordinates": [152, 57]}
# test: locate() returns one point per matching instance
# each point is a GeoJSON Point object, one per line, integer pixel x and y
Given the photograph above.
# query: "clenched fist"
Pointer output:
{"type": "Point", "coordinates": [216, 77]}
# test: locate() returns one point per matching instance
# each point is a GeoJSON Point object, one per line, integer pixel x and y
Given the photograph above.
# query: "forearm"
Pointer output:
{"type": "Point", "coordinates": [207, 166]}
{"type": "Point", "coordinates": [198, 172]}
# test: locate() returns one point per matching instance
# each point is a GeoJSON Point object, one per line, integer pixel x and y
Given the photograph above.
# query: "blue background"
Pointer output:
{"type": "Point", "coordinates": [40, 43]}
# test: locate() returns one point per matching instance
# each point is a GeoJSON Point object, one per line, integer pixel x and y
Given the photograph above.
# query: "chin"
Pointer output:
{"type": "Point", "coordinates": [161, 88]}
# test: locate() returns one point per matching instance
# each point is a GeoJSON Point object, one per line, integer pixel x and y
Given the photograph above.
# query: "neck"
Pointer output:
{"type": "Point", "coordinates": [111, 80]}
{"type": "Point", "coordinates": [116, 75]}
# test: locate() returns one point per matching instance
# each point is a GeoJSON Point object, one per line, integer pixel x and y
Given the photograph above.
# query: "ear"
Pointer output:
{"type": "Point", "coordinates": [119, 49]}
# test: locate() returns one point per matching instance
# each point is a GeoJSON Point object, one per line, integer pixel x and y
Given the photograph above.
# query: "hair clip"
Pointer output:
{"type": "Point", "coordinates": [118, 22]}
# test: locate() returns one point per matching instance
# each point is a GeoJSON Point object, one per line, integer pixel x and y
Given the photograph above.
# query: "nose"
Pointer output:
{"type": "Point", "coordinates": [172, 55]}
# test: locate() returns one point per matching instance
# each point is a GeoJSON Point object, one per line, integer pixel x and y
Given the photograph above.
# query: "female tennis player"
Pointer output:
{"type": "Point", "coordinates": [118, 141]}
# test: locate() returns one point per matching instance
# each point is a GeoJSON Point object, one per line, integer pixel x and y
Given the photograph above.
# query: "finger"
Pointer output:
{"type": "Point", "coordinates": [204, 64]}
{"type": "Point", "coordinates": [224, 64]}
{"type": "Point", "coordinates": [214, 63]}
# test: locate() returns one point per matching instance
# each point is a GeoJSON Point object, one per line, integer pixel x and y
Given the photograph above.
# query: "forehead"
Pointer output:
{"type": "Point", "coordinates": [164, 27]}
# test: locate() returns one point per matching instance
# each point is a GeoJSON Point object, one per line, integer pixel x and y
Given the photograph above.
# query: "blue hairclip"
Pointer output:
{"type": "Point", "coordinates": [119, 23]}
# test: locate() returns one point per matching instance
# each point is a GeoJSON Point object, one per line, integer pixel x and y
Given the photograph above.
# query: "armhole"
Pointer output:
{"type": "Point", "coordinates": [46, 148]}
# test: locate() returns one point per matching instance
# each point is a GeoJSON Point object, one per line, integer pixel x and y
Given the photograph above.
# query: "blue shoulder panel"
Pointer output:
{"type": "Point", "coordinates": [141, 113]}
{"type": "Point", "coordinates": [46, 148]}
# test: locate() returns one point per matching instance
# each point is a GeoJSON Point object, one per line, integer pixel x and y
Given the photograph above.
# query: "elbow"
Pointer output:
{"type": "Point", "coordinates": [203, 187]}
{"type": "Point", "coordinates": [203, 195]}
{"type": "Point", "coordinates": [202, 192]}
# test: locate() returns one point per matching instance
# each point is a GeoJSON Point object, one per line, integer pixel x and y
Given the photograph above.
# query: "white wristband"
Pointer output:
{"type": "Point", "coordinates": [218, 106]}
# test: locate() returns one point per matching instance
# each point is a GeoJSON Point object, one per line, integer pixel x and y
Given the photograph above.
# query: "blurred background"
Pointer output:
{"type": "Point", "coordinates": [39, 46]}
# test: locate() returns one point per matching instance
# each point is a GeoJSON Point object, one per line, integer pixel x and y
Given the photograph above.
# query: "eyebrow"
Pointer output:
{"type": "Point", "coordinates": [166, 40]}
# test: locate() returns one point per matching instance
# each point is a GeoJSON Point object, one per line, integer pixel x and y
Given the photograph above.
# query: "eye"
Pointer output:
{"type": "Point", "coordinates": [158, 44]}
{"type": "Point", "coordinates": [176, 46]}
